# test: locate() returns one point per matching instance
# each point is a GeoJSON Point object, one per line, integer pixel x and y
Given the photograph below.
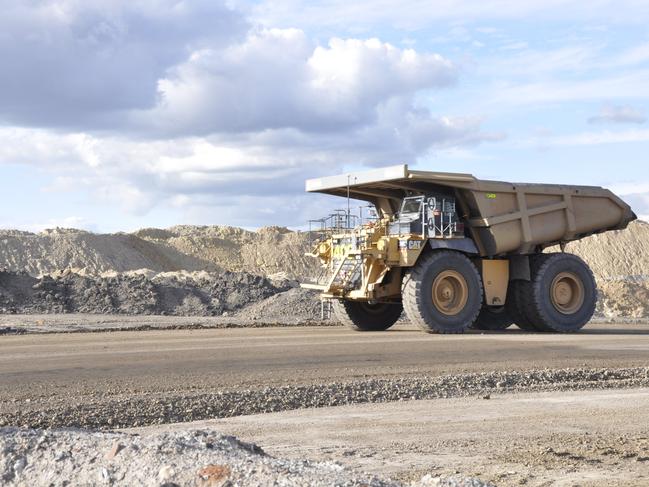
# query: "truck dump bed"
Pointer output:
{"type": "Point", "coordinates": [501, 217]}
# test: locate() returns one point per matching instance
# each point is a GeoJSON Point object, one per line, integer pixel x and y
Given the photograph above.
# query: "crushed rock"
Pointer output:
{"type": "Point", "coordinates": [198, 458]}
{"type": "Point", "coordinates": [105, 410]}
{"type": "Point", "coordinates": [294, 305]}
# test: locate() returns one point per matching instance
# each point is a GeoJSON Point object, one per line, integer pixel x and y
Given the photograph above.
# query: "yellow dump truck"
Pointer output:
{"type": "Point", "coordinates": [456, 252]}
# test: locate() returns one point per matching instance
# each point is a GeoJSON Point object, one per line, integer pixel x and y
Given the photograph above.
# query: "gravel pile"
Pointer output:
{"type": "Point", "coordinates": [198, 294]}
{"type": "Point", "coordinates": [198, 458]}
{"type": "Point", "coordinates": [114, 411]}
{"type": "Point", "coordinates": [293, 306]}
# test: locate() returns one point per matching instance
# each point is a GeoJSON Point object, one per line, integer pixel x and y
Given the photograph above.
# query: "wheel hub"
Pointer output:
{"type": "Point", "coordinates": [450, 292]}
{"type": "Point", "coordinates": [567, 293]}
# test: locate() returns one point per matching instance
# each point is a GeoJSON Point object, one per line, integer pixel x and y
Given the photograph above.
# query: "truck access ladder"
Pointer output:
{"type": "Point", "coordinates": [348, 272]}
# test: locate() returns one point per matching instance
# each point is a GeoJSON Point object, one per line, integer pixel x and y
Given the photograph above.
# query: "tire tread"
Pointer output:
{"type": "Point", "coordinates": [411, 291]}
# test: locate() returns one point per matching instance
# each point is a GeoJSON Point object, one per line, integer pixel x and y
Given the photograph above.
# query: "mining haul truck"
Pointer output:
{"type": "Point", "coordinates": [456, 252]}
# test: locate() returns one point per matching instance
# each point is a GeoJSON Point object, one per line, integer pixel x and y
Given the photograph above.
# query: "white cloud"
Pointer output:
{"type": "Point", "coordinates": [218, 117]}
{"type": "Point", "coordinates": [82, 64]}
{"type": "Point", "coordinates": [633, 56]}
{"type": "Point", "coordinates": [636, 195]}
{"type": "Point", "coordinates": [278, 78]}
{"type": "Point", "coordinates": [148, 103]}
{"type": "Point", "coordinates": [618, 114]}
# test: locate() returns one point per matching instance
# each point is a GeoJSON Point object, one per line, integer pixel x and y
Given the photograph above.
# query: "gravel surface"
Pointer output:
{"type": "Point", "coordinates": [182, 458]}
{"type": "Point", "coordinates": [539, 439]}
{"type": "Point", "coordinates": [109, 409]}
{"type": "Point", "coordinates": [89, 323]}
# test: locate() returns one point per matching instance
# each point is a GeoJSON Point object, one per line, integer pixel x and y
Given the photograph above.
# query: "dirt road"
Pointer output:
{"type": "Point", "coordinates": [545, 434]}
{"type": "Point", "coordinates": [561, 439]}
{"type": "Point", "coordinates": [261, 356]}
{"type": "Point", "coordinates": [103, 380]}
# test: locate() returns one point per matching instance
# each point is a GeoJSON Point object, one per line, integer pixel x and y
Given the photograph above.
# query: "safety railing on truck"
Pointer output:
{"type": "Point", "coordinates": [340, 222]}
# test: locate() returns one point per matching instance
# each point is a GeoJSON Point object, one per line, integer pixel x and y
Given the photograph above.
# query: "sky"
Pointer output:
{"type": "Point", "coordinates": [117, 115]}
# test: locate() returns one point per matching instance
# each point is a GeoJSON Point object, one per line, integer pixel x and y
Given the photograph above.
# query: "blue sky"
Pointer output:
{"type": "Point", "coordinates": [118, 115]}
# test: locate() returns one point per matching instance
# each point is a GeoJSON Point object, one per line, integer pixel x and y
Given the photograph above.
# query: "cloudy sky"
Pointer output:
{"type": "Point", "coordinates": [116, 115]}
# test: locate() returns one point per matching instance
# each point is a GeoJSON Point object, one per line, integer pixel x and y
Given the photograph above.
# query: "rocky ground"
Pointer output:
{"type": "Point", "coordinates": [394, 404]}
{"type": "Point", "coordinates": [188, 458]}
{"type": "Point", "coordinates": [560, 438]}
{"type": "Point", "coordinates": [13, 324]}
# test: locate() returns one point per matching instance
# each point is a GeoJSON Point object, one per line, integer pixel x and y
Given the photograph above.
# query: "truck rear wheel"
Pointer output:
{"type": "Point", "coordinates": [562, 294]}
{"type": "Point", "coordinates": [517, 306]}
{"type": "Point", "coordinates": [442, 293]}
{"type": "Point", "coordinates": [493, 318]}
{"type": "Point", "coordinates": [363, 316]}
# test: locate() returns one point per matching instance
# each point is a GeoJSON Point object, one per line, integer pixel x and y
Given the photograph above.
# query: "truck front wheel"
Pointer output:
{"type": "Point", "coordinates": [442, 293]}
{"type": "Point", "coordinates": [363, 316]}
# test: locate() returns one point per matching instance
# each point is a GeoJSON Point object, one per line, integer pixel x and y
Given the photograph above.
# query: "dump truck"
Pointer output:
{"type": "Point", "coordinates": [456, 252]}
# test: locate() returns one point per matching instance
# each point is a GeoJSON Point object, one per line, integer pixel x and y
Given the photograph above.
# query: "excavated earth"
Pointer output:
{"type": "Point", "coordinates": [182, 270]}
{"type": "Point", "coordinates": [179, 294]}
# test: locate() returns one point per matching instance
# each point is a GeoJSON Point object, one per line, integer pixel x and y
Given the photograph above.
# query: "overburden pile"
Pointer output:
{"type": "Point", "coordinates": [201, 294]}
{"type": "Point", "coordinates": [619, 259]}
{"type": "Point", "coordinates": [268, 251]}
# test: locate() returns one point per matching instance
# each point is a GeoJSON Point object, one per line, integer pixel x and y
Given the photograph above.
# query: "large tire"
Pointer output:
{"type": "Point", "coordinates": [562, 294]}
{"type": "Point", "coordinates": [517, 306]}
{"type": "Point", "coordinates": [363, 316]}
{"type": "Point", "coordinates": [493, 319]}
{"type": "Point", "coordinates": [442, 293]}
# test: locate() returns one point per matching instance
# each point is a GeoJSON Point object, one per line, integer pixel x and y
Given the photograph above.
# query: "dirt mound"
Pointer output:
{"type": "Point", "coordinates": [625, 299]}
{"type": "Point", "coordinates": [618, 255]}
{"type": "Point", "coordinates": [201, 294]}
{"type": "Point", "coordinates": [264, 252]}
{"type": "Point", "coordinates": [52, 250]}
{"type": "Point", "coordinates": [267, 251]}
